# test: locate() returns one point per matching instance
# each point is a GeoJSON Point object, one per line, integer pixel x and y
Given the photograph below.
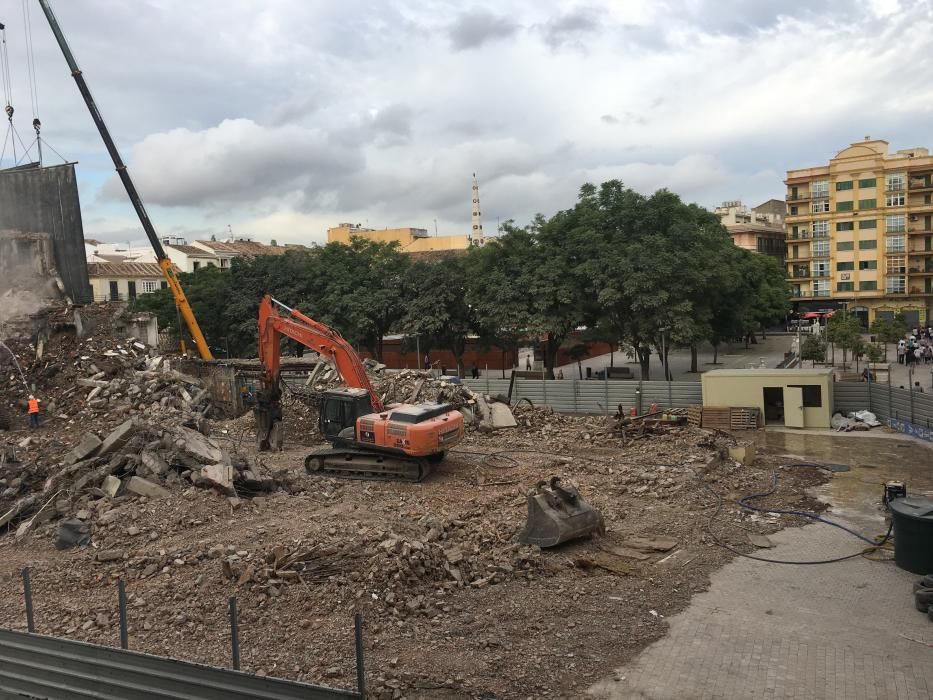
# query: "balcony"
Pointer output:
{"type": "Point", "coordinates": [920, 228]}
{"type": "Point", "coordinates": [920, 205]}
{"type": "Point", "coordinates": [920, 251]}
{"type": "Point", "coordinates": [798, 276]}
{"type": "Point", "coordinates": [922, 270]}
{"type": "Point", "coordinates": [799, 236]}
{"type": "Point", "coordinates": [925, 291]}
{"type": "Point", "coordinates": [921, 184]}
{"type": "Point", "coordinates": [820, 294]}
{"type": "Point", "coordinates": [799, 197]}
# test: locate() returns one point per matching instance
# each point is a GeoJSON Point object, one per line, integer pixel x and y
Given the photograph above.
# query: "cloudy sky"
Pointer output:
{"type": "Point", "coordinates": [282, 117]}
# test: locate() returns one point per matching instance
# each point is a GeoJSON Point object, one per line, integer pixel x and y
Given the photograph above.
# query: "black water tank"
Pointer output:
{"type": "Point", "coordinates": [913, 533]}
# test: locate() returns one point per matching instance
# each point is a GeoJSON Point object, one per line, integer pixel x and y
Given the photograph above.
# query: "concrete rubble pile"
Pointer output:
{"type": "Point", "coordinates": [402, 575]}
{"type": "Point", "coordinates": [415, 386]}
{"type": "Point", "coordinates": [116, 420]}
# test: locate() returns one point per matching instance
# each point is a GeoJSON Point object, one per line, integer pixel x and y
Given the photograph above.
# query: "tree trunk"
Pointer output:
{"type": "Point", "coordinates": [694, 359]}
{"type": "Point", "coordinates": [764, 333]}
{"type": "Point", "coordinates": [644, 359]}
{"type": "Point", "coordinates": [379, 347]}
{"type": "Point", "coordinates": [612, 357]}
{"type": "Point", "coordinates": [715, 353]}
{"type": "Point", "coordinates": [580, 367]}
{"type": "Point", "coordinates": [550, 355]}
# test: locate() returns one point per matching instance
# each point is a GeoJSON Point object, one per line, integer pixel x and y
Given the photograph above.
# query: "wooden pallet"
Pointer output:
{"type": "Point", "coordinates": [744, 419]}
{"type": "Point", "coordinates": [695, 416]}
{"type": "Point", "coordinates": [717, 417]}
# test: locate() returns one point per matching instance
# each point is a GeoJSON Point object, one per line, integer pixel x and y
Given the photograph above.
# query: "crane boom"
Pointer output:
{"type": "Point", "coordinates": [322, 339]}
{"type": "Point", "coordinates": [181, 301]}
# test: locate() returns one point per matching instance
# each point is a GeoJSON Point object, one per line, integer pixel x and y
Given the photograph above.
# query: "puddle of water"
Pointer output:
{"type": "Point", "coordinates": [856, 494]}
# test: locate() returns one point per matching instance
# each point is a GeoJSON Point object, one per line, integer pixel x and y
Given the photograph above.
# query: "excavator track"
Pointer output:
{"type": "Point", "coordinates": [347, 463]}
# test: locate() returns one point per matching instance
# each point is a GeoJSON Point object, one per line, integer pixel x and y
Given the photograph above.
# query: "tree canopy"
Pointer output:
{"type": "Point", "coordinates": [651, 272]}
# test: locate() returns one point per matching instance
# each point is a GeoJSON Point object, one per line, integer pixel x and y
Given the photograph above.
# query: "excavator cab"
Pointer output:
{"type": "Point", "coordinates": [340, 410]}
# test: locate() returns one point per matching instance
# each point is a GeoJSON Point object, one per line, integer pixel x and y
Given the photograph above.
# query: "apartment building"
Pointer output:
{"type": "Point", "coordinates": [860, 233]}
{"type": "Point", "coordinates": [759, 229]}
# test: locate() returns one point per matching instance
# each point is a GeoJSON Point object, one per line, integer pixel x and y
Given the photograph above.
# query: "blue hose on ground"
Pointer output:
{"type": "Point", "coordinates": [743, 502]}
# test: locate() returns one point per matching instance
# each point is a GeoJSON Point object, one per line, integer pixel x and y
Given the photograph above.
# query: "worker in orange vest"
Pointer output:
{"type": "Point", "coordinates": [33, 411]}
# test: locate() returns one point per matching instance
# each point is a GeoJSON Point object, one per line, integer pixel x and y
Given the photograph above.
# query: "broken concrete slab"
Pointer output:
{"type": "Point", "coordinates": [143, 487]}
{"type": "Point", "coordinates": [153, 462]}
{"type": "Point", "coordinates": [219, 476]}
{"type": "Point", "coordinates": [198, 446]}
{"type": "Point", "coordinates": [118, 438]}
{"type": "Point", "coordinates": [743, 453]}
{"type": "Point", "coordinates": [92, 383]}
{"type": "Point", "coordinates": [88, 447]}
{"type": "Point", "coordinates": [498, 416]}
{"type": "Point", "coordinates": [111, 485]}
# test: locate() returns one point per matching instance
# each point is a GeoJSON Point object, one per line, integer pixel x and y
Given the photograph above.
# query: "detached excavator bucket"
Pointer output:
{"type": "Point", "coordinates": [557, 514]}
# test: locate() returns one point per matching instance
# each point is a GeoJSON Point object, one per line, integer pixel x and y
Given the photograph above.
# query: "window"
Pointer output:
{"type": "Point", "coordinates": [821, 288]}
{"type": "Point", "coordinates": [821, 249]}
{"type": "Point", "coordinates": [844, 206]}
{"type": "Point", "coordinates": [844, 266]}
{"type": "Point", "coordinates": [867, 203]}
{"type": "Point", "coordinates": [793, 211]}
{"type": "Point", "coordinates": [896, 244]}
{"type": "Point", "coordinates": [819, 188]}
{"type": "Point", "coordinates": [821, 269]}
{"type": "Point", "coordinates": [224, 263]}
{"type": "Point", "coordinates": [845, 245]}
{"type": "Point", "coordinates": [149, 286]}
{"type": "Point", "coordinates": [812, 395]}
{"type": "Point", "coordinates": [868, 223]}
{"type": "Point", "coordinates": [867, 182]}
{"type": "Point", "coordinates": [896, 284]}
{"type": "Point", "coordinates": [845, 226]}
{"type": "Point", "coordinates": [163, 285]}
{"type": "Point", "coordinates": [800, 271]}
{"type": "Point", "coordinates": [896, 265]}
{"type": "Point", "coordinates": [894, 200]}
{"type": "Point", "coordinates": [894, 224]}
{"type": "Point", "coordinates": [868, 265]}
{"type": "Point", "coordinates": [895, 182]}
{"type": "Point", "coordinates": [845, 287]}
{"type": "Point", "coordinates": [868, 286]}
{"type": "Point", "coordinates": [868, 245]}
{"type": "Point", "coordinates": [820, 207]}
{"type": "Point", "coordinates": [196, 265]}
{"type": "Point", "coordinates": [846, 185]}
{"type": "Point", "coordinates": [820, 229]}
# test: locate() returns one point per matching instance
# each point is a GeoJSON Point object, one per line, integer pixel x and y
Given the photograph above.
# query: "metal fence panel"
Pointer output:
{"type": "Point", "coordinates": [851, 396]}
{"type": "Point", "coordinates": [903, 404]}
{"type": "Point", "coordinates": [596, 395]}
{"type": "Point", "coordinates": [33, 665]}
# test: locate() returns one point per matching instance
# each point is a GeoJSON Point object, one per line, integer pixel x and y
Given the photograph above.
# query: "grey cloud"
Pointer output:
{"type": "Point", "coordinates": [477, 27]}
{"type": "Point", "coordinates": [625, 118]}
{"type": "Point", "coordinates": [609, 119]}
{"type": "Point", "coordinates": [394, 119]}
{"type": "Point", "coordinates": [743, 18]}
{"type": "Point", "coordinates": [236, 161]}
{"type": "Point", "coordinates": [570, 27]}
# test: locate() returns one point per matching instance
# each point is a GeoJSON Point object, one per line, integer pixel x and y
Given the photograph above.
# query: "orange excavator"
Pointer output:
{"type": "Point", "coordinates": [369, 440]}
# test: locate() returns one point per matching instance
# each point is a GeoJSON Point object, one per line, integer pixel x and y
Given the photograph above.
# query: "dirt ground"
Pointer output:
{"type": "Point", "coordinates": [452, 608]}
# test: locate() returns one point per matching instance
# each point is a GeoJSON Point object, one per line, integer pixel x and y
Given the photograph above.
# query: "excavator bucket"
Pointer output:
{"type": "Point", "coordinates": [557, 514]}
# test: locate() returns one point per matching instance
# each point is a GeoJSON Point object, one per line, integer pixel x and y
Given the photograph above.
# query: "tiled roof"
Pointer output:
{"type": "Point", "coordinates": [124, 269]}
{"type": "Point", "coordinates": [191, 251]}
{"type": "Point", "coordinates": [249, 248]}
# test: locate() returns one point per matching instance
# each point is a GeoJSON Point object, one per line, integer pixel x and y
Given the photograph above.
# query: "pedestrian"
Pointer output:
{"type": "Point", "coordinates": [474, 372]}
{"type": "Point", "coordinates": [528, 363]}
{"type": "Point", "coordinates": [901, 350]}
{"type": "Point", "coordinates": [560, 374]}
{"type": "Point", "coordinates": [918, 355]}
{"type": "Point", "coordinates": [917, 387]}
{"type": "Point", "coordinates": [33, 410]}
{"type": "Point", "coordinates": [928, 355]}
{"type": "Point", "coordinates": [427, 361]}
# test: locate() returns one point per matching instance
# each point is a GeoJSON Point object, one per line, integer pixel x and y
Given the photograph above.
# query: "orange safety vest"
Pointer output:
{"type": "Point", "coordinates": [33, 406]}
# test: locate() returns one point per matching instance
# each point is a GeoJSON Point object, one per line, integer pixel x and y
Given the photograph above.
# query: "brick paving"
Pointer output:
{"type": "Point", "coordinates": [777, 631]}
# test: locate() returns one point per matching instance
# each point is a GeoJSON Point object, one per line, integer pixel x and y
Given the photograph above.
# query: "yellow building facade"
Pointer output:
{"type": "Point", "coordinates": [410, 240]}
{"type": "Point", "coordinates": [859, 233]}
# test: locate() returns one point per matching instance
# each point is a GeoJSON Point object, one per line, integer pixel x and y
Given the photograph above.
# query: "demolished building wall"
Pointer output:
{"type": "Point", "coordinates": [37, 202]}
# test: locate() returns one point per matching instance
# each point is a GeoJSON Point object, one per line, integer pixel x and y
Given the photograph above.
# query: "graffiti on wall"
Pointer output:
{"type": "Point", "coordinates": [908, 428]}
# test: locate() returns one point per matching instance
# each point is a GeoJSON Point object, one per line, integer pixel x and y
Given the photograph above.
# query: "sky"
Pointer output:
{"type": "Point", "coordinates": [276, 119]}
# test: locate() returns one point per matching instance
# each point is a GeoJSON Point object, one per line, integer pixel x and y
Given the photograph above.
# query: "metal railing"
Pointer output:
{"type": "Point", "coordinates": [799, 197]}
{"type": "Point", "coordinates": [35, 665]}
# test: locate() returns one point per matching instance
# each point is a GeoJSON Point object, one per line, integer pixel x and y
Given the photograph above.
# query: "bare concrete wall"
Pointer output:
{"type": "Point", "coordinates": [45, 201]}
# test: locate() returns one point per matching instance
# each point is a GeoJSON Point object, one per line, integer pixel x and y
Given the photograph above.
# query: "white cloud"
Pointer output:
{"type": "Point", "coordinates": [296, 115]}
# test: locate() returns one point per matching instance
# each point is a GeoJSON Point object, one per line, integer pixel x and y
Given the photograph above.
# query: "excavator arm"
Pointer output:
{"type": "Point", "coordinates": [322, 339]}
